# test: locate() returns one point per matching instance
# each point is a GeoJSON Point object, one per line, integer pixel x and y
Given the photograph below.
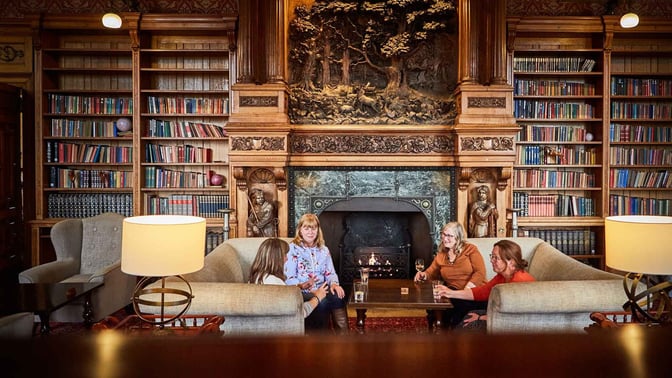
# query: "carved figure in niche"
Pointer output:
{"type": "Point", "coordinates": [483, 215]}
{"type": "Point", "coordinates": [261, 219]}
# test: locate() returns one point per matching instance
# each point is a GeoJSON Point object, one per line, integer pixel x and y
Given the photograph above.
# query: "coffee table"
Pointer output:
{"type": "Point", "coordinates": [45, 298]}
{"type": "Point", "coordinates": [387, 293]}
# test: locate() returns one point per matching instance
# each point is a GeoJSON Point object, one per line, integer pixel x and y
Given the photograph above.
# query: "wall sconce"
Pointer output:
{"type": "Point", "coordinates": [629, 20]}
{"type": "Point", "coordinates": [111, 20]}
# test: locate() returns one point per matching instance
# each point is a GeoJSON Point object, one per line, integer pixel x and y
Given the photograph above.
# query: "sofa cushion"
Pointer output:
{"type": "Point", "coordinates": [220, 265]}
{"type": "Point", "coordinates": [549, 264]}
{"type": "Point", "coordinates": [101, 242]}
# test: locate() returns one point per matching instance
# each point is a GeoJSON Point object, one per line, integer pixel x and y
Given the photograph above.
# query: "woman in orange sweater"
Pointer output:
{"type": "Point", "coordinates": [458, 263]}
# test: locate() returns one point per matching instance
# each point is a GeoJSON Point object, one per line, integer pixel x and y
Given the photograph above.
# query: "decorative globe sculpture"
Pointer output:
{"type": "Point", "coordinates": [216, 179]}
{"type": "Point", "coordinates": [124, 124]}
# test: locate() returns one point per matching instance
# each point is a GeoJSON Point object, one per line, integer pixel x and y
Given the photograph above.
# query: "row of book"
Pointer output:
{"type": "Point", "coordinates": [83, 128]}
{"type": "Point", "coordinates": [639, 133]}
{"type": "Point", "coordinates": [632, 86]}
{"type": "Point", "coordinates": [547, 154]}
{"type": "Point", "coordinates": [640, 156]}
{"type": "Point", "coordinates": [158, 177]}
{"type": "Point", "coordinates": [547, 178]}
{"type": "Point", "coordinates": [77, 104]}
{"type": "Point", "coordinates": [83, 205]}
{"type": "Point", "coordinates": [158, 153]}
{"type": "Point", "coordinates": [183, 129]}
{"type": "Point", "coordinates": [553, 64]}
{"type": "Point", "coordinates": [553, 205]}
{"type": "Point", "coordinates": [202, 205]}
{"type": "Point", "coordinates": [213, 239]}
{"type": "Point", "coordinates": [552, 133]}
{"type": "Point", "coordinates": [641, 110]}
{"type": "Point", "coordinates": [629, 205]}
{"type": "Point", "coordinates": [542, 109]}
{"type": "Point", "coordinates": [571, 242]}
{"type": "Point", "coordinates": [64, 152]}
{"type": "Point", "coordinates": [639, 178]}
{"type": "Point", "coordinates": [186, 105]}
{"type": "Point", "coordinates": [537, 87]}
{"type": "Point", "coordinates": [89, 178]}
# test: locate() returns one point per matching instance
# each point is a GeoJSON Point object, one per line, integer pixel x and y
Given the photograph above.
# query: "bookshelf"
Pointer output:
{"type": "Point", "coordinates": [131, 120]}
{"type": "Point", "coordinates": [640, 128]}
{"type": "Point", "coordinates": [557, 71]}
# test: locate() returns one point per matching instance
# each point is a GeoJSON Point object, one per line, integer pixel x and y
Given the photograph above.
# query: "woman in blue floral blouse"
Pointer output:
{"type": "Point", "coordinates": [308, 266]}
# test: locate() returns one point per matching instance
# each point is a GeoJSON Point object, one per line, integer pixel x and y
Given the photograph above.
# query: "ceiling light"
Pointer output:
{"type": "Point", "coordinates": [111, 20]}
{"type": "Point", "coordinates": [629, 20]}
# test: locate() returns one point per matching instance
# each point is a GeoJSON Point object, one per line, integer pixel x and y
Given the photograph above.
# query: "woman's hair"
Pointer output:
{"type": "Point", "coordinates": [460, 237]}
{"type": "Point", "coordinates": [509, 250]}
{"type": "Point", "coordinates": [270, 259]}
{"type": "Point", "coordinates": [309, 220]}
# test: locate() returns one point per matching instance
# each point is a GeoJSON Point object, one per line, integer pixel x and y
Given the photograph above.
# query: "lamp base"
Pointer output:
{"type": "Point", "coordinates": [656, 295]}
{"type": "Point", "coordinates": [141, 290]}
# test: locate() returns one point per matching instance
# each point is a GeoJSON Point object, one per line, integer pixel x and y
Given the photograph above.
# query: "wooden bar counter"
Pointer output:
{"type": "Point", "coordinates": [626, 352]}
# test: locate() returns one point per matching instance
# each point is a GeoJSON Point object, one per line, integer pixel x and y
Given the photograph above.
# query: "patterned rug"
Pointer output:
{"type": "Point", "coordinates": [387, 324]}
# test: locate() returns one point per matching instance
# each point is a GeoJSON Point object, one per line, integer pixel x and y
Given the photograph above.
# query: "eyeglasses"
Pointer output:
{"type": "Point", "coordinates": [444, 235]}
{"type": "Point", "coordinates": [495, 258]}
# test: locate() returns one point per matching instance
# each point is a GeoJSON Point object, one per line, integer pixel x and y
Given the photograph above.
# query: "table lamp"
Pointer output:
{"type": "Point", "coordinates": [642, 245]}
{"type": "Point", "coordinates": [159, 246]}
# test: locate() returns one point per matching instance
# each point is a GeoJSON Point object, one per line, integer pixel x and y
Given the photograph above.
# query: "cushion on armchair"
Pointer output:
{"type": "Point", "coordinates": [549, 264]}
{"type": "Point", "coordinates": [101, 243]}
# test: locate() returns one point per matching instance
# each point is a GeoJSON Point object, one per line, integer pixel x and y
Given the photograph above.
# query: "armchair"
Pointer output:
{"type": "Point", "coordinates": [87, 250]}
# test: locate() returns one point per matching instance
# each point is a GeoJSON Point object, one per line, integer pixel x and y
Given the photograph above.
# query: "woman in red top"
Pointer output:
{"type": "Point", "coordinates": [458, 263]}
{"type": "Point", "coordinates": [507, 261]}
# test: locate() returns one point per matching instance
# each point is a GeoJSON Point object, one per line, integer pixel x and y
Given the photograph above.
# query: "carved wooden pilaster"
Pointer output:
{"type": "Point", "coordinates": [468, 37]}
{"type": "Point", "coordinates": [246, 56]}
{"type": "Point", "coordinates": [274, 30]}
{"type": "Point", "coordinates": [498, 37]}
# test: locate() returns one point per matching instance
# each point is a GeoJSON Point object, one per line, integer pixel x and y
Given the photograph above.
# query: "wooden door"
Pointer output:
{"type": "Point", "coordinates": [11, 219]}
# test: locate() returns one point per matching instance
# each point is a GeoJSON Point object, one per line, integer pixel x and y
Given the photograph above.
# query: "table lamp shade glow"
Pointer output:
{"type": "Point", "coordinates": [639, 243]}
{"type": "Point", "coordinates": [162, 245]}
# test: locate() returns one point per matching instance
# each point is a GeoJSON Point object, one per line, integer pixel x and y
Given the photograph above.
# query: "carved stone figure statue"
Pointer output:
{"type": "Point", "coordinates": [261, 219]}
{"type": "Point", "coordinates": [483, 215]}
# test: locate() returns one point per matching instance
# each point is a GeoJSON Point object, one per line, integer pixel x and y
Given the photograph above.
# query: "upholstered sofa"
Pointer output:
{"type": "Point", "coordinates": [221, 288]}
{"type": "Point", "coordinates": [561, 300]}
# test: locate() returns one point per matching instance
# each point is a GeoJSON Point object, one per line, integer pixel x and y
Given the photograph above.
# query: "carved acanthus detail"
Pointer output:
{"type": "Point", "coordinates": [360, 144]}
{"type": "Point", "coordinates": [487, 143]}
{"type": "Point", "coordinates": [9, 53]}
{"type": "Point", "coordinates": [257, 143]}
{"type": "Point", "coordinates": [258, 101]}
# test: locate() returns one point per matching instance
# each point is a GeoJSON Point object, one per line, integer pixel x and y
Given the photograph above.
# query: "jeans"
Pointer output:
{"type": "Point", "coordinates": [319, 318]}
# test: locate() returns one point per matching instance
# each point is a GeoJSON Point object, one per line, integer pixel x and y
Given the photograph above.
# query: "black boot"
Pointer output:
{"type": "Point", "coordinates": [339, 318]}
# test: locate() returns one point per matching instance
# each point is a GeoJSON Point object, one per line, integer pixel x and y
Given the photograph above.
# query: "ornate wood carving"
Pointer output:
{"type": "Point", "coordinates": [258, 101]}
{"type": "Point", "coordinates": [504, 176]}
{"type": "Point", "coordinates": [476, 144]}
{"type": "Point", "coordinates": [376, 144]}
{"type": "Point", "coordinates": [257, 143]}
{"type": "Point", "coordinates": [8, 53]}
{"type": "Point", "coordinates": [464, 178]}
{"type": "Point", "coordinates": [486, 102]}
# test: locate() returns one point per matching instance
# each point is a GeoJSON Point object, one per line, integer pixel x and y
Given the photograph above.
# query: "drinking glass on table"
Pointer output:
{"type": "Point", "coordinates": [419, 265]}
{"type": "Point", "coordinates": [435, 289]}
{"type": "Point", "coordinates": [364, 275]}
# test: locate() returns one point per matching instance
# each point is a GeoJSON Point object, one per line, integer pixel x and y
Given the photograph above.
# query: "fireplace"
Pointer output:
{"type": "Point", "coordinates": [394, 213]}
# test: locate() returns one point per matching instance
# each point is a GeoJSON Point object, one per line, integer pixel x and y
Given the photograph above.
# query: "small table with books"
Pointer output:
{"type": "Point", "coordinates": [400, 294]}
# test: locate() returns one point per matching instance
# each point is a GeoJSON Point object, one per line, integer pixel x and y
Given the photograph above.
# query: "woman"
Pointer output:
{"type": "Point", "coordinates": [309, 266]}
{"type": "Point", "coordinates": [507, 261]}
{"type": "Point", "coordinates": [268, 269]}
{"type": "Point", "coordinates": [458, 263]}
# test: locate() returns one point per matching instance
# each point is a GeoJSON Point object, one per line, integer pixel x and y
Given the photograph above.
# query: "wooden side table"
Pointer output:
{"type": "Point", "coordinates": [187, 325]}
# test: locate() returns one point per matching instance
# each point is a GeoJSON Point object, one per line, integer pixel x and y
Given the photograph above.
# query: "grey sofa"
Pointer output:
{"type": "Point", "coordinates": [221, 288]}
{"type": "Point", "coordinates": [87, 250]}
{"type": "Point", "coordinates": [561, 300]}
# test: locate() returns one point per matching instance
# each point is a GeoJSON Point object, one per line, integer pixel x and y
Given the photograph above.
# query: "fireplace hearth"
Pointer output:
{"type": "Point", "coordinates": [393, 212]}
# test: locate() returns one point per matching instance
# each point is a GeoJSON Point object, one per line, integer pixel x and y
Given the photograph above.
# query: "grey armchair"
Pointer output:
{"type": "Point", "coordinates": [87, 250]}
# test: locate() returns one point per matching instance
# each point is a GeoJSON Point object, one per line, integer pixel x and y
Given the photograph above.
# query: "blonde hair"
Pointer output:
{"type": "Point", "coordinates": [460, 237]}
{"type": "Point", "coordinates": [309, 220]}
{"type": "Point", "coordinates": [270, 260]}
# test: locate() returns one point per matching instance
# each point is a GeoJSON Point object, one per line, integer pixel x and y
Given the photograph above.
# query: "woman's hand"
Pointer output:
{"type": "Point", "coordinates": [444, 291]}
{"type": "Point", "coordinates": [321, 291]}
{"type": "Point", "coordinates": [336, 289]}
{"type": "Point", "coordinates": [470, 317]}
{"type": "Point", "coordinates": [420, 276]}
{"type": "Point", "coordinates": [307, 284]}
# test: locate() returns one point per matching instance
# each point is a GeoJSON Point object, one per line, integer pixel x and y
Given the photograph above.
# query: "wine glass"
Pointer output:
{"type": "Point", "coordinates": [419, 265]}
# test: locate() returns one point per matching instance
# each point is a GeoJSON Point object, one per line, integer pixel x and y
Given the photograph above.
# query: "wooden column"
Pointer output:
{"type": "Point", "coordinates": [468, 42]}
{"type": "Point", "coordinates": [498, 38]}
{"type": "Point", "coordinates": [274, 40]}
{"type": "Point", "coordinates": [246, 55]}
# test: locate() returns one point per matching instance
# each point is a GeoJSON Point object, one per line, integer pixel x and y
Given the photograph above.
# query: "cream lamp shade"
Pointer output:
{"type": "Point", "coordinates": [111, 20]}
{"type": "Point", "coordinates": [162, 245]}
{"type": "Point", "coordinates": [629, 20]}
{"type": "Point", "coordinates": [639, 243]}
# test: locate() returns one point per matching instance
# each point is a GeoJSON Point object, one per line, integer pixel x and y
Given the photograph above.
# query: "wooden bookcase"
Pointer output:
{"type": "Point", "coordinates": [558, 79]}
{"type": "Point", "coordinates": [581, 124]}
{"type": "Point", "coordinates": [167, 70]}
{"type": "Point", "coordinates": [640, 128]}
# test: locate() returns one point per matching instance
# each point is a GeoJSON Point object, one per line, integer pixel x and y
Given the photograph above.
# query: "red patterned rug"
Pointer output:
{"type": "Point", "coordinates": [390, 325]}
